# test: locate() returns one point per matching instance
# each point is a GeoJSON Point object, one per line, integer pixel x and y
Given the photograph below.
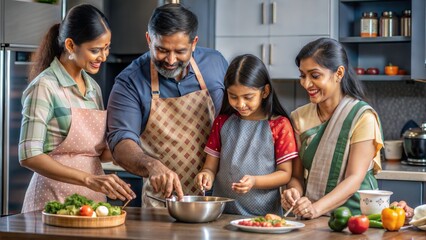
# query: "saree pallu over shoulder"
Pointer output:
{"type": "Point", "coordinates": [324, 148]}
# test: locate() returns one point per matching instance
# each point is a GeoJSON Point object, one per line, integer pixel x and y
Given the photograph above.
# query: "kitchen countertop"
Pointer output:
{"type": "Point", "coordinates": [395, 170]}
{"type": "Point", "coordinates": [157, 224]}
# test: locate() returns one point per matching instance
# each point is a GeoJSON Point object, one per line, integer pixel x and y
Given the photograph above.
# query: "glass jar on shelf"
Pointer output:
{"type": "Point", "coordinates": [388, 24]}
{"type": "Point", "coordinates": [406, 23]}
{"type": "Point", "coordinates": [369, 24]}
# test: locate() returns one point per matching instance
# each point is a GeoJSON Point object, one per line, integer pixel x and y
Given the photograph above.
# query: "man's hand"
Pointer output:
{"type": "Point", "coordinates": [165, 180]}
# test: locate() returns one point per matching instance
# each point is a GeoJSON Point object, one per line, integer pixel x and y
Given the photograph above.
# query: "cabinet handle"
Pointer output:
{"type": "Point", "coordinates": [262, 52]}
{"type": "Point", "coordinates": [270, 53]}
{"type": "Point", "coordinates": [263, 13]}
{"type": "Point", "coordinates": [274, 12]}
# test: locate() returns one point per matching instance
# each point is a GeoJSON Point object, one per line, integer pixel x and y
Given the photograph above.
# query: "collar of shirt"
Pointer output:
{"type": "Point", "coordinates": [66, 80]}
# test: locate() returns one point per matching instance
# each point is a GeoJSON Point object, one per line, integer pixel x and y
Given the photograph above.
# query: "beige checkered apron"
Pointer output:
{"type": "Point", "coordinates": [176, 133]}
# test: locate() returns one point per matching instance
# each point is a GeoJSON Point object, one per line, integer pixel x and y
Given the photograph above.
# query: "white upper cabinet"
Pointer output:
{"type": "Point", "coordinates": [274, 31]}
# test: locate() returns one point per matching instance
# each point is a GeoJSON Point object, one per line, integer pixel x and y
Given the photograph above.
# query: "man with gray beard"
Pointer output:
{"type": "Point", "coordinates": [163, 104]}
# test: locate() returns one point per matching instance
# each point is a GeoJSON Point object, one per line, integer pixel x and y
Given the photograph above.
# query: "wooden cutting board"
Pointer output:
{"type": "Point", "coordinates": [83, 222]}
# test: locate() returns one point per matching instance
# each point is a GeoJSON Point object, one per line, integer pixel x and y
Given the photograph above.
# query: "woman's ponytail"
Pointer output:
{"type": "Point", "coordinates": [49, 49]}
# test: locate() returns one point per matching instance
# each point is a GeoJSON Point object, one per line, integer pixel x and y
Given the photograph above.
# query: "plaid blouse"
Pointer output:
{"type": "Point", "coordinates": [46, 113]}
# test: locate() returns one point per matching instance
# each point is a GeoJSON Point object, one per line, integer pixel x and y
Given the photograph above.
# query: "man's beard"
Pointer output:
{"type": "Point", "coordinates": [180, 66]}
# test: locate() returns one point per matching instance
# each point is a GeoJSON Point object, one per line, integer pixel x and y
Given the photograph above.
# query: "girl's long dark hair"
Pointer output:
{"type": "Point", "coordinates": [330, 54]}
{"type": "Point", "coordinates": [248, 70]}
{"type": "Point", "coordinates": [83, 23]}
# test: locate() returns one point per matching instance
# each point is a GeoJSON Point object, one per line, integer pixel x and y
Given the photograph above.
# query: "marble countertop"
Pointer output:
{"type": "Point", "coordinates": [112, 167]}
{"type": "Point", "coordinates": [395, 170]}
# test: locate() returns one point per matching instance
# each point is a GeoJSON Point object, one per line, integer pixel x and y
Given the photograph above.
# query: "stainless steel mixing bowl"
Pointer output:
{"type": "Point", "coordinates": [195, 209]}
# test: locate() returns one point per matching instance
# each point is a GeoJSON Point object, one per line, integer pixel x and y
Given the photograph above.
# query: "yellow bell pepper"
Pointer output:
{"type": "Point", "coordinates": [393, 218]}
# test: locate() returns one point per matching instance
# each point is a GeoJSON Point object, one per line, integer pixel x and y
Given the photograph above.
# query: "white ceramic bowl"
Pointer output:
{"type": "Point", "coordinates": [374, 201]}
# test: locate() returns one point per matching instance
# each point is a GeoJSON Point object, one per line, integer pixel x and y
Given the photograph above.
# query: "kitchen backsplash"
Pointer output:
{"type": "Point", "coordinates": [396, 102]}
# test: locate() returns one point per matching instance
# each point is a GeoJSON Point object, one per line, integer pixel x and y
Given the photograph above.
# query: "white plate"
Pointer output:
{"type": "Point", "coordinates": [418, 222]}
{"type": "Point", "coordinates": [292, 226]}
{"type": "Point", "coordinates": [422, 227]}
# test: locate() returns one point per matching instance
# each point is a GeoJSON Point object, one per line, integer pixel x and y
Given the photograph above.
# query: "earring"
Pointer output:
{"type": "Point", "coordinates": [71, 56]}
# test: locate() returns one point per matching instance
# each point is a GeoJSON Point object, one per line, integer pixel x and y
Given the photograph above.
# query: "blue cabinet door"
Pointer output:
{"type": "Point", "coordinates": [135, 182]}
{"type": "Point", "coordinates": [411, 192]}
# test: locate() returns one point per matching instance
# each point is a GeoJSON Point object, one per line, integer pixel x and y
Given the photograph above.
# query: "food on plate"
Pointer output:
{"type": "Point", "coordinates": [269, 220]}
{"type": "Point", "coordinates": [372, 71]}
{"type": "Point", "coordinates": [391, 69]}
{"type": "Point", "coordinates": [78, 205]}
{"type": "Point", "coordinates": [358, 224]}
{"type": "Point", "coordinates": [102, 211]}
{"type": "Point", "coordinates": [86, 210]}
{"type": "Point", "coordinates": [339, 219]}
{"type": "Point", "coordinates": [393, 218]}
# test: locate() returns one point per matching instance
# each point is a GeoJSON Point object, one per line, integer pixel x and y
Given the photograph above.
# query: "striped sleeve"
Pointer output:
{"type": "Point", "coordinates": [284, 140]}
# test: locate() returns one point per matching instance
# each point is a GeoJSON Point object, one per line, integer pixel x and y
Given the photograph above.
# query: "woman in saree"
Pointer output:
{"type": "Point", "coordinates": [338, 134]}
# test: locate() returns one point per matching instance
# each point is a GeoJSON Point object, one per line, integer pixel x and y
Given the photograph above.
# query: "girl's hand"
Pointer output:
{"type": "Point", "coordinates": [289, 198]}
{"type": "Point", "coordinates": [409, 212]}
{"type": "Point", "coordinates": [204, 181]}
{"type": "Point", "coordinates": [245, 184]}
{"type": "Point", "coordinates": [110, 185]}
{"type": "Point", "coordinates": [305, 208]}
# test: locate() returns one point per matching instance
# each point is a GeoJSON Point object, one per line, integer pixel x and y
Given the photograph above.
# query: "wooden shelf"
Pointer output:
{"type": "Point", "coordinates": [374, 39]}
{"type": "Point", "coordinates": [384, 77]}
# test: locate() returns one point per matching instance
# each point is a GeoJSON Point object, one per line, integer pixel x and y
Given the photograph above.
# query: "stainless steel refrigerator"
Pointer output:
{"type": "Point", "coordinates": [22, 25]}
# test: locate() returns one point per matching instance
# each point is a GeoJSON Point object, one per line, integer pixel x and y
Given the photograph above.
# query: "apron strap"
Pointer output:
{"type": "Point", "coordinates": [198, 74]}
{"type": "Point", "coordinates": [155, 86]}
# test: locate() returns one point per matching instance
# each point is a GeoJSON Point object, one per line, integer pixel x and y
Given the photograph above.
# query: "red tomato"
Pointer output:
{"type": "Point", "coordinates": [358, 224]}
{"type": "Point", "coordinates": [86, 210]}
{"type": "Point", "coordinates": [278, 224]}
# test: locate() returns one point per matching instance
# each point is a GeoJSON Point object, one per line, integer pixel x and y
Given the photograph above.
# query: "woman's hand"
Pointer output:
{"type": "Point", "coordinates": [289, 198]}
{"type": "Point", "coordinates": [409, 212]}
{"type": "Point", "coordinates": [204, 180]}
{"type": "Point", "coordinates": [245, 184]}
{"type": "Point", "coordinates": [111, 185]}
{"type": "Point", "coordinates": [305, 208]}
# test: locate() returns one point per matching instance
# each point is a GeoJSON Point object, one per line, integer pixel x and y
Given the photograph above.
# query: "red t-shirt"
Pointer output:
{"type": "Point", "coordinates": [282, 134]}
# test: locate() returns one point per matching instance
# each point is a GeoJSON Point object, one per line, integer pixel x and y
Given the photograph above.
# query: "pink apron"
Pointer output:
{"type": "Point", "coordinates": [81, 149]}
{"type": "Point", "coordinates": [176, 133]}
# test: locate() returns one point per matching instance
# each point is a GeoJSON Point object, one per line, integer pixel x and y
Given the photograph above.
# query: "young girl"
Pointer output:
{"type": "Point", "coordinates": [253, 138]}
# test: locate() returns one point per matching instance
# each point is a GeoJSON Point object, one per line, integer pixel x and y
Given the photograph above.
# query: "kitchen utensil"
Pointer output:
{"type": "Point", "coordinates": [374, 201]}
{"type": "Point", "coordinates": [125, 204]}
{"type": "Point", "coordinates": [288, 211]}
{"type": "Point", "coordinates": [393, 150]}
{"type": "Point", "coordinates": [415, 145]}
{"type": "Point", "coordinates": [195, 209]}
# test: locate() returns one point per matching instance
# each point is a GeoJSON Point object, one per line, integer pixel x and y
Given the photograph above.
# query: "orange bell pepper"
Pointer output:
{"type": "Point", "coordinates": [393, 218]}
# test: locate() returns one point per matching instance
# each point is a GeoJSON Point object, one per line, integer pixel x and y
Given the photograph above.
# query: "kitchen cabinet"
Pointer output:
{"type": "Point", "coordinates": [406, 52]}
{"type": "Point", "coordinates": [412, 192]}
{"type": "Point", "coordinates": [274, 31]}
{"type": "Point", "coordinates": [32, 19]}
